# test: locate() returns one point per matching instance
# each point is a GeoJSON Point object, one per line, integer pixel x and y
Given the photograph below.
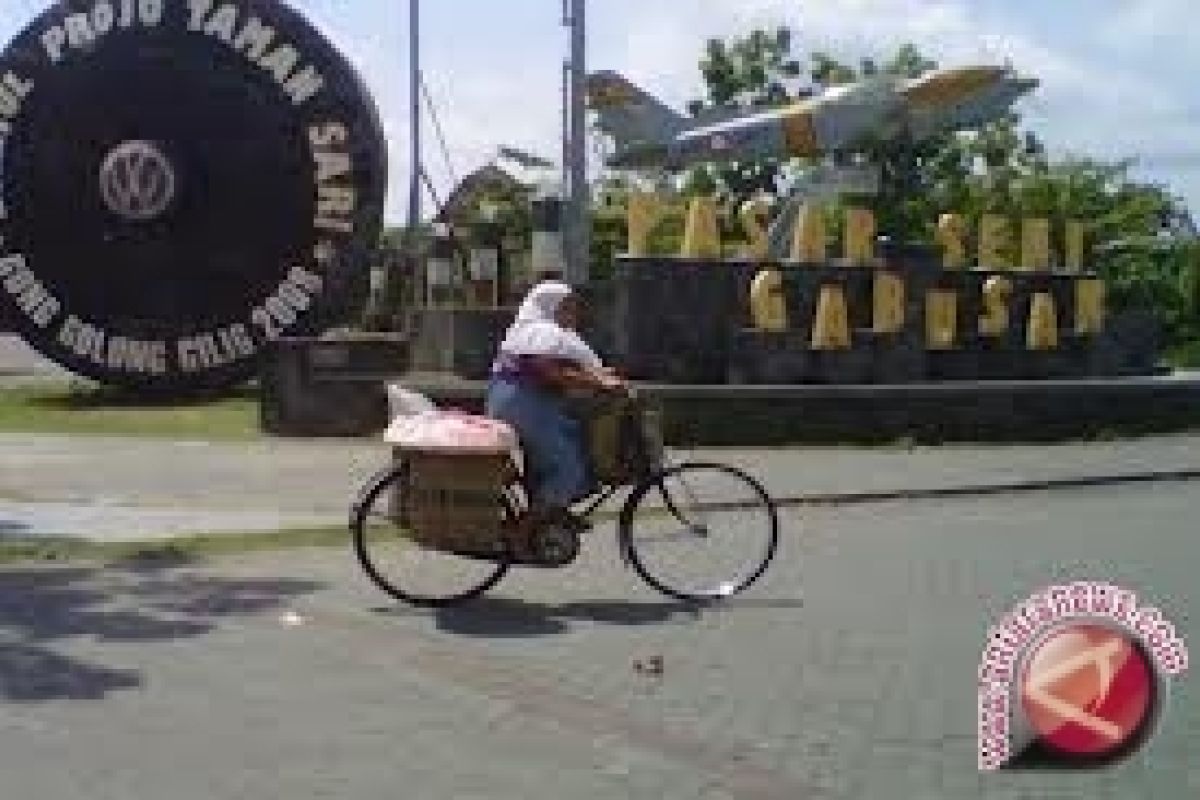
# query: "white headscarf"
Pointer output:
{"type": "Point", "coordinates": [536, 332]}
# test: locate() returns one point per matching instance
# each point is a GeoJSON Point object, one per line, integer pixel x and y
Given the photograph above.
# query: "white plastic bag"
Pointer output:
{"type": "Point", "coordinates": [404, 402]}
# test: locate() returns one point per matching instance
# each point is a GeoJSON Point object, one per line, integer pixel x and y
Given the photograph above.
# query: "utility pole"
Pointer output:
{"type": "Point", "coordinates": [411, 261]}
{"type": "Point", "coordinates": [577, 220]}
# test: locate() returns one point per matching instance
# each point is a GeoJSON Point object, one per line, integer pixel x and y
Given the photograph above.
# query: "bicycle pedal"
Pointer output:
{"type": "Point", "coordinates": [579, 527]}
{"type": "Point", "coordinates": [576, 524]}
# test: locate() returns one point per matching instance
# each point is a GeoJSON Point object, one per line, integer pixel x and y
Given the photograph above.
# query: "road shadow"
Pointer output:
{"type": "Point", "coordinates": [13, 527]}
{"type": "Point", "coordinates": [29, 674]}
{"type": "Point", "coordinates": [501, 617]}
{"type": "Point", "coordinates": [506, 618]}
{"type": "Point", "coordinates": [48, 614]}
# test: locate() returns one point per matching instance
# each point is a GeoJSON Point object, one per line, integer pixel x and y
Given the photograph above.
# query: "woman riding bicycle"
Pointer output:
{"type": "Point", "coordinates": [541, 360]}
{"type": "Point", "coordinates": [709, 532]}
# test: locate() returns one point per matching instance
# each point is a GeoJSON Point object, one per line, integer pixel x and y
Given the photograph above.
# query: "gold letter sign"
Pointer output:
{"type": "Point", "coordinates": [860, 237]}
{"type": "Point", "coordinates": [1089, 306]}
{"type": "Point", "coordinates": [645, 211]}
{"type": "Point", "coordinates": [831, 330]}
{"type": "Point", "coordinates": [889, 303]}
{"type": "Point", "coordinates": [941, 319]}
{"type": "Point", "coordinates": [767, 303]}
{"type": "Point", "coordinates": [754, 215]}
{"type": "Point", "coordinates": [809, 242]}
{"type": "Point", "coordinates": [951, 235]}
{"type": "Point", "coordinates": [1042, 333]}
{"type": "Point", "coordinates": [701, 236]}
{"type": "Point", "coordinates": [997, 293]}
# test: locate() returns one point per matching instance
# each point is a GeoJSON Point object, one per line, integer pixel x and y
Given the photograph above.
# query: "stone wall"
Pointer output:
{"type": "Point", "coordinates": [689, 322]}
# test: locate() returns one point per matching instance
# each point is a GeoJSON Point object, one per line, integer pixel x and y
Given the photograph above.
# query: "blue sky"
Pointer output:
{"type": "Point", "coordinates": [1119, 75]}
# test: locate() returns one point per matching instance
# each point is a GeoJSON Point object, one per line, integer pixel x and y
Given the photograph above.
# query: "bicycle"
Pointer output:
{"type": "Point", "coordinates": [663, 507]}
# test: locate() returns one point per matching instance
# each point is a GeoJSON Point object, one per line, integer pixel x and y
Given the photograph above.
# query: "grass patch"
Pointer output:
{"type": "Point", "coordinates": [79, 408]}
{"type": "Point", "coordinates": [183, 549]}
{"type": "Point", "coordinates": [1185, 356]}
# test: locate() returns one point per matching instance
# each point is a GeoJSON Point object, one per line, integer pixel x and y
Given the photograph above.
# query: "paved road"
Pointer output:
{"type": "Point", "coordinates": [101, 487]}
{"type": "Point", "coordinates": [848, 674]}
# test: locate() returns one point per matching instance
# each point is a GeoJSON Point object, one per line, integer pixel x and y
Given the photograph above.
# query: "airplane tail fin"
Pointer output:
{"type": "Point", "coordinates": [630, 115]}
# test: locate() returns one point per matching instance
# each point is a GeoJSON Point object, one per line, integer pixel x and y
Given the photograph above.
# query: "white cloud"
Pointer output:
{"type": "Point", "coordinates": [1142, 24]}
{"type": "Point", "coordinates": [1089, 101]}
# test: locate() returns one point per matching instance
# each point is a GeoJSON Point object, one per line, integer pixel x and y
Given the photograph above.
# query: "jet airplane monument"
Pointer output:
{"type": "Point", "coordinates": [651, 136]}
{"type": "Point", "coordinates": [830, 126]}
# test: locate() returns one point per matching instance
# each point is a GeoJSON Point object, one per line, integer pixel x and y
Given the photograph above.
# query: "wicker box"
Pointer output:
{"type": "Point", "coordinates": [625, 440]}
{"type": "Point", "coordinates": [653, 441]}
{"type": "Point", "coordinates": [454, 502]}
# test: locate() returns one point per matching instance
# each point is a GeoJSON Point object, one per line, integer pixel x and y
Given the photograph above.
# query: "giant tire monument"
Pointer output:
{"type": "Point", "coordinates": [182, 182]}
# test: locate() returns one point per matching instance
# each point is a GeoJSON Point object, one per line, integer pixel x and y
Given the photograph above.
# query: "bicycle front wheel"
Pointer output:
{"type": "Point", "coordinates": [403, 567]}
{"type": "Point", "coordinates": [700, 532]}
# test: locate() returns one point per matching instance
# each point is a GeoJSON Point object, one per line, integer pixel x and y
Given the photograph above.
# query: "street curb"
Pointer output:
{"type": "Point", "coordinates": [986, 490]}
{"type": "Point", "coordinates": [1018, 411]}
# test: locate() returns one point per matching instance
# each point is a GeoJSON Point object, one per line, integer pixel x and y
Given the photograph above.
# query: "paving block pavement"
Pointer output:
{"type": "Point", "coordinates": [849, 673]}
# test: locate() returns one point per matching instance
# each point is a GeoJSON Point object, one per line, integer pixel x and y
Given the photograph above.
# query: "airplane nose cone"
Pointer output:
{"type": "Point", "coordinates": [1026, 85]}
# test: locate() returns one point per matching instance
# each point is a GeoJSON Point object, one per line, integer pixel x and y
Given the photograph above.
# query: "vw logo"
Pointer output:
{"type": "Point", "coordinates": [137, 181]}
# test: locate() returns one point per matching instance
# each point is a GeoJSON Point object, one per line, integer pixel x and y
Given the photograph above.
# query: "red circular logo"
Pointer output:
{"type": "Point", "coordinates": [1089, 691]}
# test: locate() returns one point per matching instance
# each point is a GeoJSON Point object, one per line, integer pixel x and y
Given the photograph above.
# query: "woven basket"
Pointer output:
{"type": "Point", "coordinates": [624, 440]}
{"type": "Point", "coordinates": [653, 454]}
{"type": "Point", "coordinates": [453, 502]}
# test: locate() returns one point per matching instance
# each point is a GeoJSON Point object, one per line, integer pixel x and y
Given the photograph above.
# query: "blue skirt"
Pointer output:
{"type": "Point", "coordinates": [557, 468]}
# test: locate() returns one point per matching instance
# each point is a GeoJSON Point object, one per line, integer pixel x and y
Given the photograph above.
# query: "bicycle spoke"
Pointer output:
{"type": "Point", "coordinates": [684, 535]}
{"type": "Point", "coordinates": [713, 534]}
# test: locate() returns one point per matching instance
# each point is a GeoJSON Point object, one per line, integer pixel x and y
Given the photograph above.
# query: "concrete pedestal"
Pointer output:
{"type": "Point", "coordinates": [329, 387]}
{"type": "Point", "coordinates": [456, 340]}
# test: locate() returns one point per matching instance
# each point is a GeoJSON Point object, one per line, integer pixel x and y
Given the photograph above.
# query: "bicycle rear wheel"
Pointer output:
{"type": "Point", "coordinates": [406, 569]}
{"type": "Point", "coordinates": [700, 532]}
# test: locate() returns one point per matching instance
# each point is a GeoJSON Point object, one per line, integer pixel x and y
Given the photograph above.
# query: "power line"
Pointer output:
{"type": "Point", "coordinates": [439, 132]}
{"type": "Point", "coordinates": [433, 195]}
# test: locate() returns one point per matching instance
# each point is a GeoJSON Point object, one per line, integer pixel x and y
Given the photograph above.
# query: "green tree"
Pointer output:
{"type": "Point", "coordinates": [749, 72]}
